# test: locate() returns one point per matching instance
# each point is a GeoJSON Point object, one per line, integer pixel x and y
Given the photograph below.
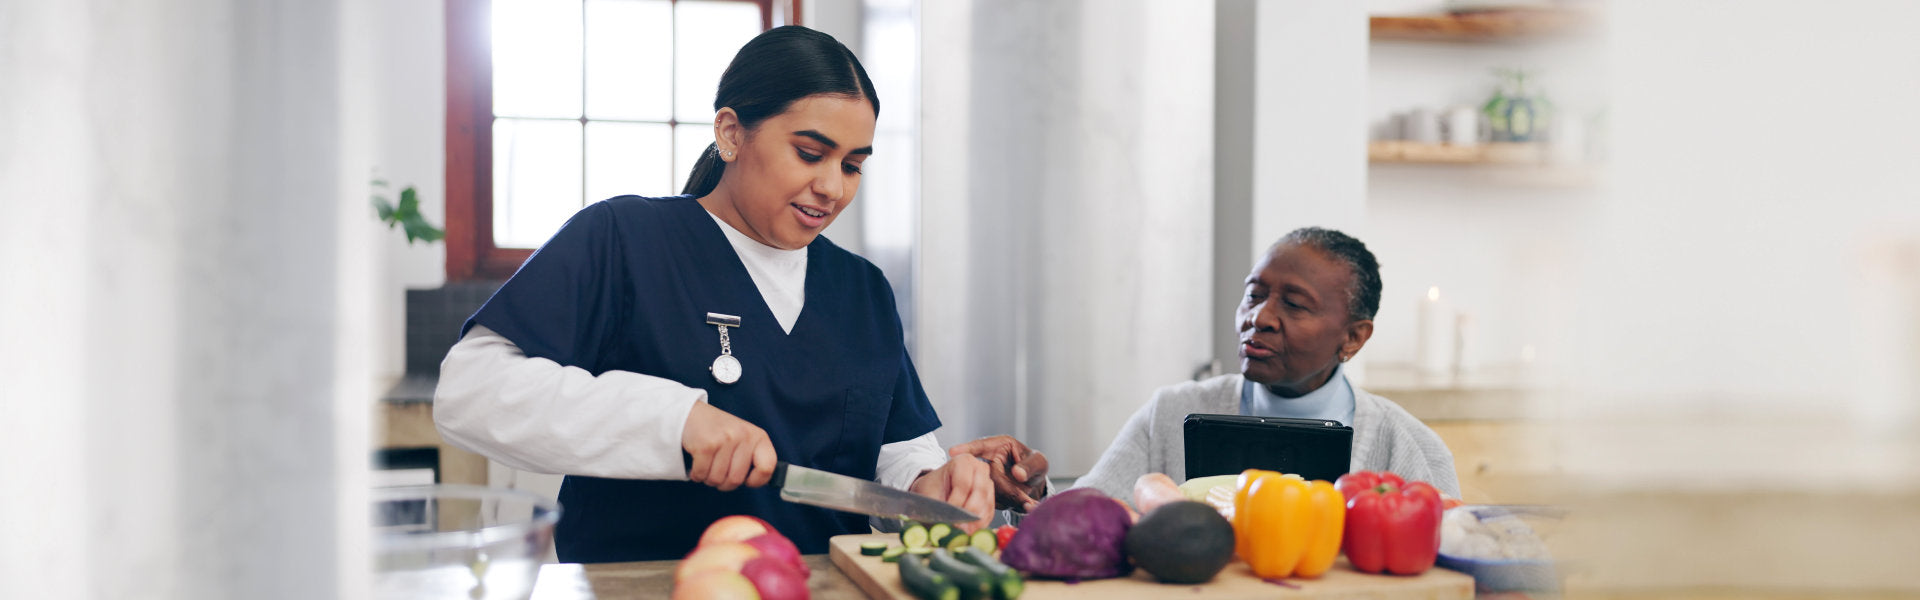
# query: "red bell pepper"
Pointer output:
{"type": "Point", "coordinates": [1392, 526]}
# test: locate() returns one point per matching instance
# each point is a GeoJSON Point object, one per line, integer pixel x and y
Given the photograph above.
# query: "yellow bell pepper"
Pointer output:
{"type": "Point", "coordinates": [1241, 485]}
{"type": "Point", "coordinates": [1285, 526]}
{"type": "Point", "coordinates": [1240, 509]}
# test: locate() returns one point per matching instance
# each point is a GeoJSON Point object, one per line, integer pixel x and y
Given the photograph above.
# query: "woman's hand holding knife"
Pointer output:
{"type": "Point", "coordinates": [727, 451]}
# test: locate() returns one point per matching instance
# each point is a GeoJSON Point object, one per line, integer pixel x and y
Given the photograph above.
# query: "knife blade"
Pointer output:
{"type": "Point", "coordinates": [839, 492]}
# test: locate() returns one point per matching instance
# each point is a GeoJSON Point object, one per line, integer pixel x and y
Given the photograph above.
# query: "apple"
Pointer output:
{"type": "Point", "coordinates": [734, 528]}
{"type": "Point", "coordinates": [715, 585]}
{"type": "Point", "coordinates": [779, 547]}
{"type": "Point", "coordinates": [776, 579]}
{"type": "Point", "coordinates": [724, 556]}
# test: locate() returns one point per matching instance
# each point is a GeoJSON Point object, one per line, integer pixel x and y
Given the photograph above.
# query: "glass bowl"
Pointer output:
{"type": "Point", "coordinates": [459, 541]}
{"type": "Point", "coordinates": [1512, 557]}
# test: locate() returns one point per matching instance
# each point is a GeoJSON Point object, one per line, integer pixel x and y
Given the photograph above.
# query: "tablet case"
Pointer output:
{"type": "Point", "coordinates": [1229, 444]}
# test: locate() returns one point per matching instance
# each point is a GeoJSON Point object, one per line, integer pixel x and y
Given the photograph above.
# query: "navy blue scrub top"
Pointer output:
{"type": "Point", "coordinates": [626, 285]}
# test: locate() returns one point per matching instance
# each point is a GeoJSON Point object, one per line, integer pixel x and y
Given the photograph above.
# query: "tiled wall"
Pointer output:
{"type": "Point", "coordinates": [434, 317]}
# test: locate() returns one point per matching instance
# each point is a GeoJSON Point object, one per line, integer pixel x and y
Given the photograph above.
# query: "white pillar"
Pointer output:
{"type": "Point", "coordinates": [1066, 267]}
{"type": "Point", "coordinates": [1304, 124]}
{"type": "Point", "coordinates": [179, 418]}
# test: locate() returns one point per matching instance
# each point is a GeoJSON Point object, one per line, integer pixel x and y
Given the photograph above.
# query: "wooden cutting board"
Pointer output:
{"type": "Point", "coordinates": [881, 581]}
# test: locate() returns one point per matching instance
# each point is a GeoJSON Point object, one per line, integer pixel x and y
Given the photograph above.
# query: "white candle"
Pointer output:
{"type": "Point", "coordinates": [1434, 338]}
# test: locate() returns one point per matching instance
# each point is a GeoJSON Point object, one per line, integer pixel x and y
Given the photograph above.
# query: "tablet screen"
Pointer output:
{"type": "Point", "coordinates": [1229, 444]}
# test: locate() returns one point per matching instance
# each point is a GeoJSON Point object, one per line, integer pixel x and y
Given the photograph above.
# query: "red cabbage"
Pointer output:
{"type": "Point", "coordinates": [1076, 534]}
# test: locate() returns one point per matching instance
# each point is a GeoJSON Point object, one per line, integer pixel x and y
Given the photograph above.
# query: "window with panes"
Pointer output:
{"type": "Point", "coordinates": [555, 104]}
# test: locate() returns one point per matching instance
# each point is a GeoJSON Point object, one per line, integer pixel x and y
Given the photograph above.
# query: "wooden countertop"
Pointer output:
{"type": "Point", "coordinates": [654, 579]}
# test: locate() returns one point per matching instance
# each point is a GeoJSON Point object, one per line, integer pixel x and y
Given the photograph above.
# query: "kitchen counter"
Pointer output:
{"type": "Point", "coordinates": [654, 579]}
{"type": "Point", "coordinates": [403, 418]}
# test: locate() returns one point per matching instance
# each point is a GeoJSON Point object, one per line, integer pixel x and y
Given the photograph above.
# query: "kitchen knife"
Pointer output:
{"type": "Point", "coordinates": [839, 492]}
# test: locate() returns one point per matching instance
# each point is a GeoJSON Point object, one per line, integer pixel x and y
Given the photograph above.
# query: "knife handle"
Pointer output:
{"type": "Point", "coordinates": [779, 475]}
{"type": "Point", "coordinates": [779, 470]}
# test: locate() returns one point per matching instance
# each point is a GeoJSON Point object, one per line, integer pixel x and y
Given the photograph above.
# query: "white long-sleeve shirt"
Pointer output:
{"type": "Point", "coordinates": [537, 415]}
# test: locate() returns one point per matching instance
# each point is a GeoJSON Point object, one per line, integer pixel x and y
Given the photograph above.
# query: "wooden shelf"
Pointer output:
{"type": "Point", "coordinates": [1447, 154]}
{"type": "Point", "coordinates": [1500, 164]}
{"type": "Point", "coordinates": [1488, 26]}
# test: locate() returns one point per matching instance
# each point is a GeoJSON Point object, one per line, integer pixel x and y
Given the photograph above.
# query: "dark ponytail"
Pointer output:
{"type": "Point", "coordinates": [769, 74]}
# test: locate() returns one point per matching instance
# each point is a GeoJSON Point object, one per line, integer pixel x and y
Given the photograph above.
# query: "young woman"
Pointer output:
{"type": "Point", "coordinates": [1309, 307]}
{"type": "Point", "coordinates": [663, 353]}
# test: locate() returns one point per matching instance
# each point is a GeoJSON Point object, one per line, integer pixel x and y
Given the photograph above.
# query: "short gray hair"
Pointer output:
{"type": "Point", "coordinates": [1363, 294]}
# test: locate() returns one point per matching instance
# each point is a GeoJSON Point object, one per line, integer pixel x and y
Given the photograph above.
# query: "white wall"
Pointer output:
{"type": "Point", "coordinates": [1752, 254]}
{"type": "Point", "coordinates": [1745, 335]}
{"type": "Point", "coordinates": [1067, 197]}
{"type": "Point", "coordinates": [1505, 255]}
{"type": "Point", "coordinates": [1310, 90]}
{"type": "Point", "coordinates": [184, 412]}
{"type": "Point", "coordinates": [841, 19]}
{"type": "Point", "coordinates": [400, 46]}
{"type": "Point", "coordinates": [1307, 68]}
{"type": "Point", "coordinates": [1501, 246]}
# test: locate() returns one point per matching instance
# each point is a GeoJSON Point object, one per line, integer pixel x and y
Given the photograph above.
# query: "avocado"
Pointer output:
{"type": "Point", "coordinates": [1181, 542]}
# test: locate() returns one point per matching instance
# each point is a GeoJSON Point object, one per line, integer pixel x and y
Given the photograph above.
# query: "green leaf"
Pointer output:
{"type": "Point", "coordinates": [409, 202]}
{"type": "Point", "coordinates": [418, 229]}
{"type": "Point", "coordinates": [406, 215]}
{"type": "Point", "coordinates": [384, 209]}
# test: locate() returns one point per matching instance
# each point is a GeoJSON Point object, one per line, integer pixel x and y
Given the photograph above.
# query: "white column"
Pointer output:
{"type": "Point", "coordinates": [179, 418]}
{"type": "Point", "coordinates": [1310, 122]}
{"type": "Point", "coordinates": [1293, 147]}
{"type": "Point", "coordinates": [1082, 211]}
{"type": "Point", "coordinates": [841, 19]}
{"type": "Point", "coordinates": [944, 274]}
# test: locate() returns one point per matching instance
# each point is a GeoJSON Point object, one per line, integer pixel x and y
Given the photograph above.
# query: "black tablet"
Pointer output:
{"type": "Point", "coordinates": [1229, 444]}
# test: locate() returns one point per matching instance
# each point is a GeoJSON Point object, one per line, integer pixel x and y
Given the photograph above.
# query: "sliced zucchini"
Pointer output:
{"type": "Point", "coordinates": [893, 554]}
{"type": "Point", "coordinates": [974, 582]}
{"type": "Point", "coordinates": [915, 536]}
{"type": "Point", "coordinates": [872, 548]}
{"type": "Point", "coordinates": [924, 583]}
{"type": "Point", "coordinates": [958, 540]}
{"type": "Point", "coordinates": [985, 541]}
{"type": "Point", "coordinates": [921, 552]}
{"type": "Point", "coordinates": [1007, 583]}
{"type": "Point", "coordinates": [937, 534]}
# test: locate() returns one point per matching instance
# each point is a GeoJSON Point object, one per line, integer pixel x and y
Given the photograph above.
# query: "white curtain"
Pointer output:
{"type": "Point", "coordinates": [183, 286]}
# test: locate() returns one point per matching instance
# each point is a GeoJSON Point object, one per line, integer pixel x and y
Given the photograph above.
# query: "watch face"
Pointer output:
{"type": "Point", "coordinates": [726, 369]}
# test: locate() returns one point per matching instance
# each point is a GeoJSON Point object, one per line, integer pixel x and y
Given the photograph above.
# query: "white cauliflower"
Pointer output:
{"type": "Point", "coordinates": [1464, 534]}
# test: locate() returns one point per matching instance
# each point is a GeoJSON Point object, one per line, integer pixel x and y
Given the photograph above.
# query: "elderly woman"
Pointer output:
{"type": "Point", "coordinates": [1309, 308]}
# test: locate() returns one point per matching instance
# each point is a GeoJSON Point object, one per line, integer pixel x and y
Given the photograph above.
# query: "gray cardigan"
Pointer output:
{"type": "Point", "coordinates": [1385, 438]}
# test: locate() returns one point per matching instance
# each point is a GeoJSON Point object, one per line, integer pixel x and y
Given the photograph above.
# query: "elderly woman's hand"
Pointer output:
{"type": "Point", "coordinates": [1019, 473]}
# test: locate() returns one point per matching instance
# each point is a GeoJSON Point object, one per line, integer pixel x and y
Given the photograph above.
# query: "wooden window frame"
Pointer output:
{"type": "Point", "coordinates": [471, 253]}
